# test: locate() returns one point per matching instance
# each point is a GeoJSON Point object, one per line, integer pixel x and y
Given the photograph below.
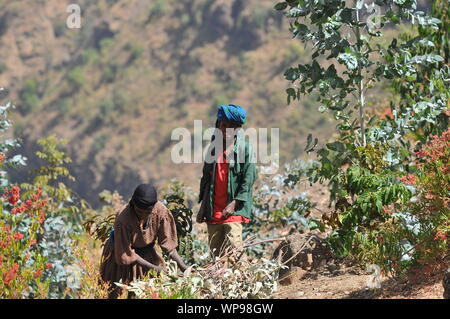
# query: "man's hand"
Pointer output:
{"type": "Point", "coordinates": [201, 214]}
{"type": "Point", "coordinates": [200, 218]}
{"type": "Point", "coordinates": [229, 209]}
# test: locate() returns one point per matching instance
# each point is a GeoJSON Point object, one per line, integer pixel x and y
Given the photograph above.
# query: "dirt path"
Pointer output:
{"type": "Point", "coordinates": [343, 282]}
{"type": "Point", "coordinates": [351, 283]}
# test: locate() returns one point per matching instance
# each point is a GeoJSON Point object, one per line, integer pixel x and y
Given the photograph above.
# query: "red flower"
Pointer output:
{"type": "Point", "coordinates": [18, 236]}
{"type": "Point", "coordinates": [18, 210]}
{"type": "Point", "coordinates": [429, 196]}
{"type": "Point", "coordinates": [2, 157]}
{"type": "Point", "coordinates": [48, 265]}
{"type": "Point", "coordinates": [2, 244]}
{"type": "Point", "coordinates": [420, 153]}
{"type": "Point", "coordinates": [409, 179]}
{"type": "Point", "coordinates": [15, 195]}
{"type": "Point", "coordinates": [387, 113]}
{"type": "Point", "coordinates": [11, 274]}
{"type": "Point", "coordinates": [386, 210]}
{"type": "Point", "coordinates": [28, 204]}
{"type": "Point", "coordinates": [13, 199]}
{"type": "Point", "coordinates": [33, 242]}
{"type": "Point", "coordinates": [41, 216]}
{"type": "Point", "coordinates": [1, 260]}
{"type": "Point", "coordinates": [38, 273]}
{"type": "Point", "coordinates": [6, 192]}
{"type": "Point", "coordinates": [440, 236]}
{"type": "Point", "coordinates": [37, 194]}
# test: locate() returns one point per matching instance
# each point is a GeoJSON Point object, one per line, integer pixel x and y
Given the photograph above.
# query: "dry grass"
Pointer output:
{"type": "Point", "coordinates": [88, 253]}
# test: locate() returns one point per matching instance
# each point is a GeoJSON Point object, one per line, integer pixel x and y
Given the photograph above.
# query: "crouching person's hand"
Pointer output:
{"type": "Point", "coordinates": [177, 258]}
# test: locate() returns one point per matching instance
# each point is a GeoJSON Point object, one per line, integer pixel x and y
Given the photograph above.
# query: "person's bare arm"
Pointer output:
{"type": "Point", "coordinates": [144, 263]}
{"type": "Point", "coordinates": [177, 258]}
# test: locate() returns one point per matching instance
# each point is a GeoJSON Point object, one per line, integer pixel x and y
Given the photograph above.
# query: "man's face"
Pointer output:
{"type": "Point", "coordinates": [227, 134]}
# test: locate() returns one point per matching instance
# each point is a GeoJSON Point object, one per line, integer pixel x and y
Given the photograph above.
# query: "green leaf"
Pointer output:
{"type": "Point", "coordinates": [291, 92]}
{"type": "Point", "coordinates": [349, 60]}
{"type": "Point", "coordinates": [336, 146]}
{"type": "Point", "coordinates": [346, 15]}
{"type": "Point", "coordinates": [438, 58]}
{"type": "Point", "coordinates": [309, 147]}
{"type": "Point", "coordinates": [295, 13]}
{"type": "Point", "coordinates": [372, 120]}
{"type": "Point", "coordinates": [280, 6]}
{"type": "Point", "coordinates": [379, 205]}
{"type": "Point", "coordinates": [308, 140]}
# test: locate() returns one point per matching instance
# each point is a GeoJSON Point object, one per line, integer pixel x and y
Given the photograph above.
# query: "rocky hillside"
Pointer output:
{"type": "Point", "coordinates": [137, 69]}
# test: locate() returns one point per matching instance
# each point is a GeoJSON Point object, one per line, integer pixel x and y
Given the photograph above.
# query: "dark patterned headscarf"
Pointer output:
{"type": "Point", "coordinates": [144, 197]}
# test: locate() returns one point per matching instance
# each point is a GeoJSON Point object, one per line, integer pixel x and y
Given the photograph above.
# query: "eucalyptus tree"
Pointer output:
{"type": "Point", "coordinates": [348, 62]}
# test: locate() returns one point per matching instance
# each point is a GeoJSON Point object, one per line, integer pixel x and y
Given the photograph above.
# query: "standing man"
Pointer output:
{"type": "Point", "coordinates": [227, 181]}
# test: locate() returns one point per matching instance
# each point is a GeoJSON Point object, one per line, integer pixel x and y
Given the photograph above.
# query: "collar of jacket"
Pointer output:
{"type": "Point", "coordinates": [239, 146]}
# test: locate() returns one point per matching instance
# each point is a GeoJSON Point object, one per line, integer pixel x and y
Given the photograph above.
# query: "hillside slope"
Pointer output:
{"type": "Point", "coordinates": [117, 87]}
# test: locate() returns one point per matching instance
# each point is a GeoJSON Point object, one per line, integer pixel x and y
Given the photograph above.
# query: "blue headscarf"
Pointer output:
{"type": "Point", "coordinates": [232, 113]}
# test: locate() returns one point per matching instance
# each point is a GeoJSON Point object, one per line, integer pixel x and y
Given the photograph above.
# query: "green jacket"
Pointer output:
{"type": "Point", "coordinates": [241, 177]}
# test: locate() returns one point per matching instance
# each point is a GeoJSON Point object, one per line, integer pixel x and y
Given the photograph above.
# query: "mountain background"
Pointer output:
{"type": "Point", "coordinates": [137, 69]}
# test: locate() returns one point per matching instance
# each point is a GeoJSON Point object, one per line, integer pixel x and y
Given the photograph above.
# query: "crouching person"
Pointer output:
{"type": "Point", "coordinates": [130, 253]}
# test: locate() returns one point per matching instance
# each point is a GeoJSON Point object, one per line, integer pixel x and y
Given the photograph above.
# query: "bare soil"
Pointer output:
{"type": "Point", "coordinates": [352, 283]}
{"type": "Point", "coordinates": [342, 280]}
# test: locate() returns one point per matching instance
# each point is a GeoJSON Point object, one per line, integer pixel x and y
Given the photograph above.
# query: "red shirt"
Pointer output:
{"type": "Point", "coordinates": [221, 195]}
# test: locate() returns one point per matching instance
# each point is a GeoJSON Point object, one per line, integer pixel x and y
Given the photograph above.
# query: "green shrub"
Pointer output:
{"type": "Point", "coordinates": [29, 97]}
{"type": "Point", "coordinates": [372, 219]}
{"type": "Point", "coordinates": [261, 15]}
{"type": "Point", "coordinates": [158, 9]}
{"type": "Point", "coordinates": [135, 51]}
{"type": "Point", "coordinates": [109, 73]}
{"type": "Point", "coordinates": [105, 45]}
{"type": "Point", "coordinates": [106, 108]}
{"type": "Point", "coordinates": [76, 78]}
{"type": "Point", "coordinates": [174, 198]}
{"type": "Point", "coordinates": [90, 56]}
{"type": "Point", "coordinates": [64, 106]}
{"type": "Point", "coordinates": [62, 216]}
{"type": "Point", "coordinates": [3, 67]}
{"type": "Point", "coordinates": [99, 142]}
